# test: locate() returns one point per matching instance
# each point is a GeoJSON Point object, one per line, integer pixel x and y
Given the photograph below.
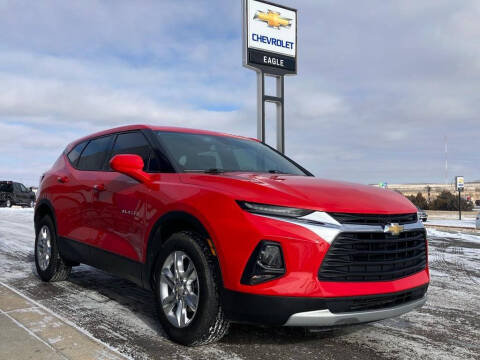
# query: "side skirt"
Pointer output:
{"type": "Point", "coordinates": [75, 251]}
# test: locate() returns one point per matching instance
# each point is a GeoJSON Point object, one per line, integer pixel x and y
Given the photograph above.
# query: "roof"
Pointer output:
{"type": "Point", "coordinates": [155, 128]}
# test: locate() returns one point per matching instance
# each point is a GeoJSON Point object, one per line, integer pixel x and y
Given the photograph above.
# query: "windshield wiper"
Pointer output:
{"type": "Point", "coordinates": [207, 171]}
{"type": "Point", "coordinates": [275, 172]}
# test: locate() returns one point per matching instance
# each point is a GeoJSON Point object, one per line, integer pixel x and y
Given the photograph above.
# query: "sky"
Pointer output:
{"type": "Point", "coordinates": [380, 84]}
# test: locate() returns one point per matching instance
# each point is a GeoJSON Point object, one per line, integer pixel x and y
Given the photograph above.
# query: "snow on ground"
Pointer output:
{"type": "Point", "coordinates": [454, 235]}
{"type": "Point", "coordinates": [465, 223]}
{"type": "Point", "coordinates": [122, 315]}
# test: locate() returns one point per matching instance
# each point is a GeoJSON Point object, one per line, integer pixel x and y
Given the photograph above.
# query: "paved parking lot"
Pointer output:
{"type": "Point", "coordinates": [121, 316]}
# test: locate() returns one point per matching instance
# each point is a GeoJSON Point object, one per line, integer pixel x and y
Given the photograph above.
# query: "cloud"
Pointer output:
{"type": "Point", "coordinates": [379, 86]}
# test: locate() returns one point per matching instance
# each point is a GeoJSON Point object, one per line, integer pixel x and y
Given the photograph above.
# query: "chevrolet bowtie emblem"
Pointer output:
{"type": "Point", "coordinates": [273, 19]}
{"type": "Point", "coordinates": [394, 229]}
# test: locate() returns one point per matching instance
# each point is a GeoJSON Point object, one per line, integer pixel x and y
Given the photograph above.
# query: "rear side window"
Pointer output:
{"type": "Point", "coordinates": [93, 156]}
{"type": "Point", "coordinates": [135, 143]}
{"type": "Point", "coordinates": [74, 154]}
{"type": "Point", "coordinates": [6, 187]}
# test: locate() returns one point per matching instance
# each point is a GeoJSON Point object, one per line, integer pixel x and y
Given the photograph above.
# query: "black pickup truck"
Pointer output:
{"type": "Point", "coordinates": [13, 193]}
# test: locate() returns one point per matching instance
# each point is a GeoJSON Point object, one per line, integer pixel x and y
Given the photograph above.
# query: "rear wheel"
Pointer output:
{"type": "Point", "coordinates": [187, 291]}
{"type": "Point", "coordinates": [8, 203]}
{"type": "Point", "coordinates": [50, 266]}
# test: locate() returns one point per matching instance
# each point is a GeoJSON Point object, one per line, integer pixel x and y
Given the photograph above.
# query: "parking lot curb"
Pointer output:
{"type": "Point", "coordinates": [30, 330]}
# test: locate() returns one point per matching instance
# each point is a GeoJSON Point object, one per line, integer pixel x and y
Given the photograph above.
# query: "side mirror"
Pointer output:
{"type": "Point", "coordinates": [130, 165]}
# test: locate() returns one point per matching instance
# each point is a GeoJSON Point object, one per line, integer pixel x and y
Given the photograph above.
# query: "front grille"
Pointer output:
{"type": "Point", "coordinates": [375, 302]}
{"type": "Point", "coordinates": [374, 256]}
{"type": "Point", "coordinates": [374, 219]}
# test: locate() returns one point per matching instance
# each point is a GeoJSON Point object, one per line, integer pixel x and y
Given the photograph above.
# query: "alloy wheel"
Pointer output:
{"type": "Point", "coordinates": [44, 247]}
{"type": "Point", "coordinates": [179, 289]}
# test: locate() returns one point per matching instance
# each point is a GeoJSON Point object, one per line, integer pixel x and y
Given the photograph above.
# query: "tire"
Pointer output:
{"type": "Point", "coordinates": [53, 269]}
{"type": "Point", "coordinates": [208, 323]}
{"type": "Point", "coordinates": [32, 204]}
{"type": "Point", "coordinates": [8, 203]}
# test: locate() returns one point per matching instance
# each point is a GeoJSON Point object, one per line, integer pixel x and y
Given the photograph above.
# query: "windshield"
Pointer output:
{"type": "Point", "coordinates": [209, 153]}
{"type": "Point", "coordinates": [6, 187]}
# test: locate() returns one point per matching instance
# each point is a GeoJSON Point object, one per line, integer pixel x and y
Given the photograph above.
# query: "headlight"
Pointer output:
{"type": "Point", "coordinates": [273, 210]}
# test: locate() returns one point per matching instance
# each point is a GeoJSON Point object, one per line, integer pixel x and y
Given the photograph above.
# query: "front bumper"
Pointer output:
{"type": "Point", "coordinates": [309, 311]}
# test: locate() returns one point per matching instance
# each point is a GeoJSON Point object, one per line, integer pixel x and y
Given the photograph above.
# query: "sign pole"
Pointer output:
{"type": "Point", "coordinates": [281, 114]}
{"type": "Point", "coordinates": [459, 206]}
{"type": "Point", "coordinates": [459, 185]}
{"type": "Point", "coordinates": [260, 106]}
{"type": "Point", "coordinates": [279, 100]}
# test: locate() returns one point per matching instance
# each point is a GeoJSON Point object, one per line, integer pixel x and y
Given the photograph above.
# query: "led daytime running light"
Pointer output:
{"type": "Point", "coordinates": [273, 209]}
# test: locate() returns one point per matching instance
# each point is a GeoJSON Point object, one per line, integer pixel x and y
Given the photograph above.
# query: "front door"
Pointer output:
{"type": "Point", "coordinates": [26, 194]}
{"type": "Point", "coordinates": [20, 196]}
{"type": "Point", "coordinates": [120, 205]}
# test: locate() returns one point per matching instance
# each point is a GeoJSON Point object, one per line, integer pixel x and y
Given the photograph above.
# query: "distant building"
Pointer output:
{"type": "Point", "coordinates": [431, 191]}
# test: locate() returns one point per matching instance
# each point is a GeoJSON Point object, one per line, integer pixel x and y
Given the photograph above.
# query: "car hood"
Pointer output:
{"type": "Point", "coordinates": [304, 192]}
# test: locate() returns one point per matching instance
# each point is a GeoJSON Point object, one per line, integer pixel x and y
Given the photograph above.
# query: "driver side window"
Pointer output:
{"type": "Point", "coordinates": [135, 143]}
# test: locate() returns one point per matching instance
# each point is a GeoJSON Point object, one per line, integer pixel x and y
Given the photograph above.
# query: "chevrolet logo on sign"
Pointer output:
{"type": "Point", "coordinates": [273, 19]}
{"type": "Point", "coordinates": [394, 229]}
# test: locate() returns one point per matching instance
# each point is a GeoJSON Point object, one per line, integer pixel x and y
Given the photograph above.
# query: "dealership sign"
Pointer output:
{"type": "Point", "coordinates": [270, 37]}
{"type": "Point", "coordinates": [459, 183]}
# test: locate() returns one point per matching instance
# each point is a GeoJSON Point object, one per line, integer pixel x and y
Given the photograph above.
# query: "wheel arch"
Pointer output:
{"type": "Point", "coordinates": [165, 226]}
{"type": "Point", "coordinates": [44, 207]}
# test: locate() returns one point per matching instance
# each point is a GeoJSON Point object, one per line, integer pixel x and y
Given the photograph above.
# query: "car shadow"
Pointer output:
{"type": "Point", "coordinates": [142, 303]}
{"type": "Point", "coordinates": [243, 334]}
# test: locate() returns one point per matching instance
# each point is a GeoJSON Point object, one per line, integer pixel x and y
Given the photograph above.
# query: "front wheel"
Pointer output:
{"type": "Point", "coordinates": [187, 291]}
{"type": "Point", "coordinates": [50, 266]}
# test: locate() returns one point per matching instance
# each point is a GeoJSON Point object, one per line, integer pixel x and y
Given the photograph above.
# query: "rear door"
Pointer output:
{"type": "Point", "coordinates": [88, 174]}
{"type": "Point", "coordinates": [69, 196]}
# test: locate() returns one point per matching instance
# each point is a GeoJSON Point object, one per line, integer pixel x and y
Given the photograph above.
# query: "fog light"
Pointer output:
{"type": "Point", "coordinates": [271, 257]}
{"type": "Point", "coordinates": [266, 263]}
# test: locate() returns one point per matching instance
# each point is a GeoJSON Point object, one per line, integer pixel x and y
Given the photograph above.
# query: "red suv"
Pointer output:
{"type": "Point", "coordinates": [225, 229]}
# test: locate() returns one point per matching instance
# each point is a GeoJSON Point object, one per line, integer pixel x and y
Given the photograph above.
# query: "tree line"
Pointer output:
{"type": "Point", "coordinates": [445, 201]}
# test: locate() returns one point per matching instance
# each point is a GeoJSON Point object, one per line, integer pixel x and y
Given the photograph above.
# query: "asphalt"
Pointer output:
{"type": "Point", "coordinates": [119, 317]}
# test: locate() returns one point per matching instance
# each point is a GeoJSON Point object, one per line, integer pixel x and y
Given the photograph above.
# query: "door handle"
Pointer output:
{"type": "Point", "coordinates": [62, 179]}
{"type": "Point", "coordinates": [99, 187]}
